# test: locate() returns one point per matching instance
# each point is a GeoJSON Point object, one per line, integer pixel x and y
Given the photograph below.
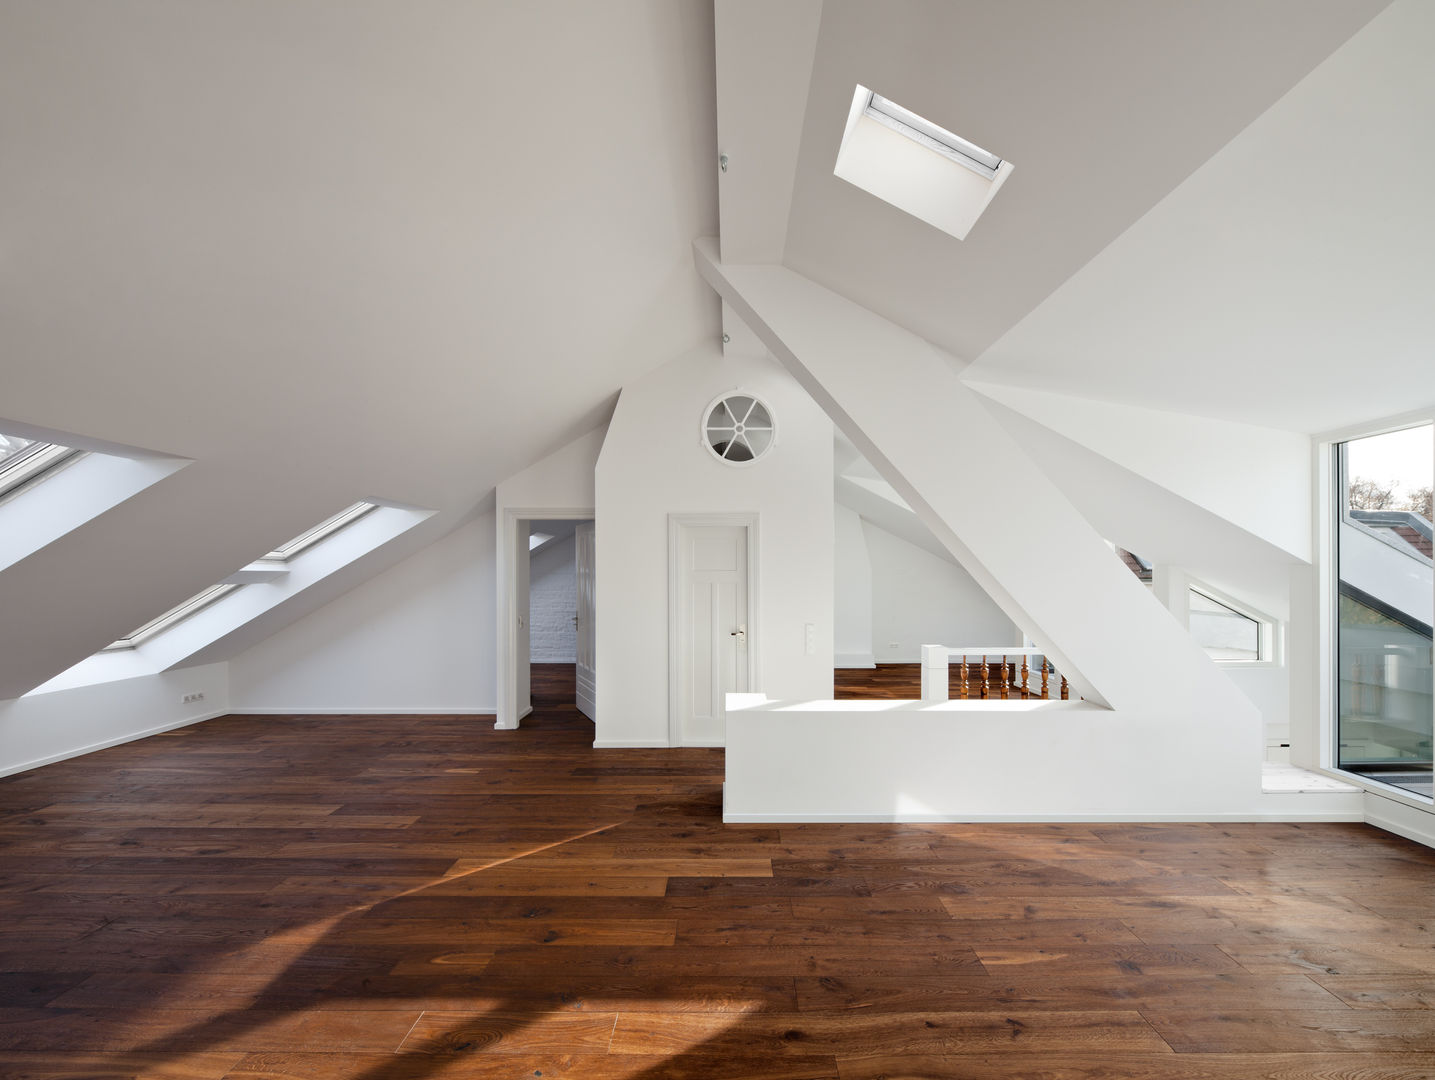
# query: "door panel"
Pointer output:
{"type": "Point", "coordinates": [587, 661]}
{"type": "Point", "coordinates": [713, 651]}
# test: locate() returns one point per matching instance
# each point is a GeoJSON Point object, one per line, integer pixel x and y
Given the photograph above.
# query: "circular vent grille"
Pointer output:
{"type": "Point", "coordinates": [738, 429]}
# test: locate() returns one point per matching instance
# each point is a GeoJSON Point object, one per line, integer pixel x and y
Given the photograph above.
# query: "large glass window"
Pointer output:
{"type": "Point", "coordinates": [1386, 590]}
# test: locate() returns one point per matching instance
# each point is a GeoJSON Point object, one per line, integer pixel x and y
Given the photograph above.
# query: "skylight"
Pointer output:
{"type": "Point", "coordinates": [916, 165]}
{"type": "Point", "coordinates": [924, 132]}
{"type": "Point", "coordinates": [305, 540]}
{"type": "Point", "coordinates": [22, 460]}
{"type": "Point", "coordinates": [175, 614]}
{"type": "Point", "coordinates": [537, 539]}
{"type": "Point", "coordinates": [324, 529]}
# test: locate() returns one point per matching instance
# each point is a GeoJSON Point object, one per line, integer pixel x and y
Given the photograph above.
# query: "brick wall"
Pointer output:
{"type": "Point", "coordinates": [552, 600]}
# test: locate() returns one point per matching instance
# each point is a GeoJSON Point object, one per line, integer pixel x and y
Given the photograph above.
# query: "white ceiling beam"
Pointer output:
{"type": "Point", "coordinates": [899, 400]}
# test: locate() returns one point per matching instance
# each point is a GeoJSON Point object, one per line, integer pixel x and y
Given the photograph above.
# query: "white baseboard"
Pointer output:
{"type": "Point", "coordinates": [629, 744]}
{"type": "Point", "coordinates": [524, 713]}
{"type": "Point", "coordinates": [1402, 819]}
{"type": "Point", "coordinates": [790, 817]}
{"type": "Point", "coordinates": [105, 744]}
{"type": "Point", "coordinates": [309, 710]}
{"type": "Point", "coordinates": [853, 660]}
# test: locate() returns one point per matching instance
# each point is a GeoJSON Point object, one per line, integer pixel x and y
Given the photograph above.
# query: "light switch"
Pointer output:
{"type": "Point", "coordinates": [811, 639]}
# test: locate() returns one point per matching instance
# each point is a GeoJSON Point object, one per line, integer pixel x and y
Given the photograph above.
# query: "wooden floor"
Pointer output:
{"type": "Point", "coordinates": [361, 897]}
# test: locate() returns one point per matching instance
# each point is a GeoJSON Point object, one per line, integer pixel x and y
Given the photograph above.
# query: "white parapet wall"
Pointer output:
{"type": "Point", "coordinates": [1010, 760]}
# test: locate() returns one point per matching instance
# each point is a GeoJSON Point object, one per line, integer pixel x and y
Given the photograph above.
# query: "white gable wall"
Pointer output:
{"type": "Point", "coordinates": [653, 464]}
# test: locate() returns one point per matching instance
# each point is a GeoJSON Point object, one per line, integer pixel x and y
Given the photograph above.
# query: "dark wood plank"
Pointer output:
{"type": "Point", "coordinates": [305, 896]}
{"type": "Point", "coordinates": [1088, 1065]}
{"type": "Point", "coordinates": [860, 1033]}
{"type": "Point", "coordinates": [71, 1065]}
{"type": "Point", "coordinates": [1298, 1030]}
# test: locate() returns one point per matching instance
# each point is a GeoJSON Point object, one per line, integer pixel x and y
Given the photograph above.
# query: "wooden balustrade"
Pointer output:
{"type": "Point", "coordinates": [995, 675]}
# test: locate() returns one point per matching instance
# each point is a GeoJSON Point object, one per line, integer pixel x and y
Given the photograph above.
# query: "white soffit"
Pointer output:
{"type": "Point", "coordinates": [917, 166]}
{"type": "Point", "coordinates": [1280, 284]}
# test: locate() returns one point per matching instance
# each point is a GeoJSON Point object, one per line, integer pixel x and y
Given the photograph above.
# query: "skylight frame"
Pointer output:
{"type": "Point", "coordinates": [32, 463]}
{"type": "Point", "coordinates": [322, 531]}
{"type": "Point", "coordinates": [197, 603]}
{"type": "Point", "coordinates": [173, 616]}
{"type": "Point", "coordinates": [916, 166]}
{"type": "Point", "coordinates": [921, 130]}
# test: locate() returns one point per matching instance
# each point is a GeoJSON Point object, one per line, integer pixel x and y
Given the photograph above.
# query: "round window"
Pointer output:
{"type": "Point", "coordinates": [738, 429]}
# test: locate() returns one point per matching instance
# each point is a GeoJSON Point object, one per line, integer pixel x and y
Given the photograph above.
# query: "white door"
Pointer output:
{"type": "Point", "coordinates": [587, 661]}
{"type": "Point", "coordinates": [713, 629]}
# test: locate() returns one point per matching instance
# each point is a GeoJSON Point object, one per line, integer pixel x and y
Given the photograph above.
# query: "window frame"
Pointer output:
{"type": "Point", "coordinates": [1330, 479]}
{"type": "Point", "coordinates": [212, 595]}
{"type": "Point", "coordinates": [1268, 628]}
{"type": "Point", "coordinates": [33, 464]}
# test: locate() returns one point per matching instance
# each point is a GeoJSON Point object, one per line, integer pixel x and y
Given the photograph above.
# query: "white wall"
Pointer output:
{"type": "Point", "coordinates": [552, 602]}
{"type": "Point", "coordinates": [652, 465]}
{"type": "Point", "coordinates": [852, 606]}
{"type": "Point", "coordinates": [43, 727]}
{"type": "Point", "coordinates": [1268, 687]}
{"type": "Point", "coordinates": [416, 638]}
{"type": "Point", "coordinates": [999, 761]}
{"type": "Point", "coordinates": [919, 599]}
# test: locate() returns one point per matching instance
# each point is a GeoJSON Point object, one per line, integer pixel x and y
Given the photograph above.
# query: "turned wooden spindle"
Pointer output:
{"type": "Point", "coordinates": [1025, 675]}
{"type": "Point", "coordinates": [1002, 675]}
{"type": "Point", "coordinates": [985, 675]}
{"type": "Point", "coordinates": [1045, 674]}
{"type": "Point", "coordinates": [962, 690]}
{"type": "Point", "coordinates": [1065, 690]}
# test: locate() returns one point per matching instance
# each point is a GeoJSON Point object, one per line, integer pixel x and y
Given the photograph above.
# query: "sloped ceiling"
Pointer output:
{"type": "Point", "coordinates": [1103, 107]}
{"type": "Point", "coordinates": [330, 249]}
{"type": "Point", "coordinates": [345, 248]}
{"type": "Point", "coordinates": [1289, 281]}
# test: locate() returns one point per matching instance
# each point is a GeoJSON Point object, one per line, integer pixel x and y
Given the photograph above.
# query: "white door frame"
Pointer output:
{"type": "Point", "coordinates": [512, 547]}
{"type": "Point", "coordinates": [677, 612]}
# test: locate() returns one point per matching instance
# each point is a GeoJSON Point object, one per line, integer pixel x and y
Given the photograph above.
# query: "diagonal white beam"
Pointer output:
{"type": "Point", "coordinates": [899, 400]}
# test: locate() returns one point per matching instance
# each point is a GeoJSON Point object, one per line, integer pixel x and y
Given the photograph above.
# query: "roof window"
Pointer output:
{"type": "Point", "coordinates": [23, 460]}
{"type": "Point", "coordinates": [917, 166]}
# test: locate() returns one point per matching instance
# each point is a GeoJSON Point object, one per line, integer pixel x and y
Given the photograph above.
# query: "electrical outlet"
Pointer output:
{"type": "Point", "coordinates": [190, 699]}
{"type": "Point", "coordinates": [894, 644]}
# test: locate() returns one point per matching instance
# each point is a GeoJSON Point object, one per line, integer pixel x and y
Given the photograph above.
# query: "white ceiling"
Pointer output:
{"type": "Point", "coordinates": [1289, 281]}
{"type": "Point", "coordinates": [1102, 106]}
{"type": "Point", "coordinates": [327, 250]}
{"type": "Point", "coordinates": [343, 248]}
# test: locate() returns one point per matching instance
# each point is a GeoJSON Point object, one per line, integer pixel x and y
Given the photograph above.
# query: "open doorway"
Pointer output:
{"type": "Point", "coordinates": [559, 627]}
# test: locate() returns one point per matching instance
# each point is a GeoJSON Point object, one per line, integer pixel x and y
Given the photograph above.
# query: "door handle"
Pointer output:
{"type": "Point", "coordinates": [741, 634]}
